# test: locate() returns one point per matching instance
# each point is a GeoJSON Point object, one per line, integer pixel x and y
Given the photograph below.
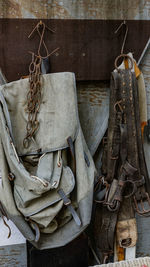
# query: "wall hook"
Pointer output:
{"type": "Point", "coordinates": [38, 25]}
{"type": "Point", "coordinates": [125, 36]}
{"type": "Point", "coordinates": [40, 28]}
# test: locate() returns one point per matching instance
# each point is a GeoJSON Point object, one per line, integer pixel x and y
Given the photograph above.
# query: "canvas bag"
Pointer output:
{"type": "Point", "coordinates": [33, 176]}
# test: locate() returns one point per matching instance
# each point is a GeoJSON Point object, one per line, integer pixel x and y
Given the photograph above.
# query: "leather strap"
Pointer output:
{"type": "Point", "coordinates": [71, 147]}
{"type": "Point", "coordinates": [67, 203]}
{"type": "Point", "coordinates": [123, 160]}
{"type": "Point", "coordinates": [45, 65]}
{"type": "Point", "coordinates": [104, 231]}
{"type": "Point", "coordinates": [35, 227]}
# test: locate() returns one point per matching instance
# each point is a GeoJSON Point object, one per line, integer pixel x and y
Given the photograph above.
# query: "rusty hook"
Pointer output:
{"type": "Point", "coordinates": [41, 33]}
{"type": "Point", "coordinates": [118, 103]}
{"type": "Point", "coordinates": [39, 24]}
{"type": "Point", "coordinates": [125, 36]}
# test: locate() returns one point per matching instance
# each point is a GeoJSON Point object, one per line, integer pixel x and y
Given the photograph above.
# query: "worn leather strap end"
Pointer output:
{"type": "Point", "coordinates": [126, 233]}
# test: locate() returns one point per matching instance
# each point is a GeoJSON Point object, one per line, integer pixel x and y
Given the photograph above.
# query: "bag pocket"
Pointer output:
{"type": "Point", "coordinates": [30, 203]}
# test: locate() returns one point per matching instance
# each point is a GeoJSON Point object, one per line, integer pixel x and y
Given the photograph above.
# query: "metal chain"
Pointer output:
{"type": "Point", "coordinates": [34, 93]}
{"type": "Point", "coordinates": [33, 98]}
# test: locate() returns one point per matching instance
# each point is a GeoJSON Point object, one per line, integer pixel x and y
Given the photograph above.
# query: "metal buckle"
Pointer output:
{"type": "Point", "coordinates": [68, 202]}
{"type": "Point", "coordinates": [101, 182]}
{"type": "Point", "coordinates": [140, 209]}
{"type": "Point", "coordinates": [114, 206]}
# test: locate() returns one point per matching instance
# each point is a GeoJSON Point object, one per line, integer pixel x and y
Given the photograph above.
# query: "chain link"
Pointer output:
{"type": "Point", "coordinates": [34, 93]}
{"type": "Point", "coordinates": [33, 98]}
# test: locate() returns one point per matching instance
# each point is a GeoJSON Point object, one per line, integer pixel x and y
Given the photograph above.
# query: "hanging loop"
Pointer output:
{"type": "Point", "coordinates": [124, 56]}
{"type": "Point", "coordinates": [122, 48]}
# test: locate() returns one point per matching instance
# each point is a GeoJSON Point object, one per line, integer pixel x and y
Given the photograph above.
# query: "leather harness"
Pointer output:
{"type": "Point", "coordinates": [124, 172]}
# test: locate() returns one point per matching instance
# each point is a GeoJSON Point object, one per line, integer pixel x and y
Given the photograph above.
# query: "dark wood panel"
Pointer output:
{"type": "Point", "coordinates": [72, 255]}
{"type": "Point", "coordinates": [87, 47]}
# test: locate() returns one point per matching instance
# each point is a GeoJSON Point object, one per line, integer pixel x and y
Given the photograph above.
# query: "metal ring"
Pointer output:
{"type": "Point", "coordinates": [123, 55]}
{"type": "Point", "coordinates": [114, 207]}
{"type": "Point", "coordinates": [32, 67]}
{"type": "Point", "coordinates": [133, 190]}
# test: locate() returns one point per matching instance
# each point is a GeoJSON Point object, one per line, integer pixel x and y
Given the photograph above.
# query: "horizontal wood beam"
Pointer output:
{"type": "Point", "coordinates": [87, 47]}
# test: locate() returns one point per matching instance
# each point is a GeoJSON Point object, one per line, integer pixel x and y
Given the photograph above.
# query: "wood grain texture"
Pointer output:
{"type": "Point", "coordinates": [87, 47]}
{"type": "Point", "coordinates": [13, 256]}
{"type": "Point", "coordinates": [145, 67]}
{"type": "Point", "coordinates": [75, 9]}
{"type": "Point", "coordinates": [93, 105]}
{"type": "Point", "coordinates": [143, 243]}
{"type": "Point", "coordinates": [72, 255]}
{"type": "Point", "coordinates": [89, 107]}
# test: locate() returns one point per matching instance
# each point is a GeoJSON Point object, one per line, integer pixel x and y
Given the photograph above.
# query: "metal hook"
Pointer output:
{"type": "Point", "coordinates": [41, 35]}
{"type": "Point", "coordinates": [125, 36]}
{"type": "Point", "coordinates": [39, 24]}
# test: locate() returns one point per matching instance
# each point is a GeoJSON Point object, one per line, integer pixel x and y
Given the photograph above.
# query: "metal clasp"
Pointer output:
{"type": "Point", "coordinates": [139, 207]}
{"type": "Point", "coordinates": [68, 202]}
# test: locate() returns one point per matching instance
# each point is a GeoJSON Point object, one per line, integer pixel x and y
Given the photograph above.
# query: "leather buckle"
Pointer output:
{"type": "Point", "coordinates": [139, 208]}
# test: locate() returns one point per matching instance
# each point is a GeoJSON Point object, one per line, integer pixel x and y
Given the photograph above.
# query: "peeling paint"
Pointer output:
{"type": "Point", "coordinates": [94, 96]}
{"type": "Point", "coordinates": [13, 257]}
{"type": "Point", "coordinates": [93, 105]}
{"type": "Point", "coordinates": [9, 9]}
{"type": "Point", "coordinates": [75, 9]}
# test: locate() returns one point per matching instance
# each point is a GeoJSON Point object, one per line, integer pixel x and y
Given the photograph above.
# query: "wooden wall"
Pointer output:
{"type": "Point", "coordinates": [91, 95]}
{"type": "Point", "coordinates": [75, 9]}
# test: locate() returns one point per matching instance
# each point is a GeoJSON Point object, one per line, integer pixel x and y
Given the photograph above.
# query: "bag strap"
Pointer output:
{"type": "Point", "coordinates": [71, 147]}
{"type": "Point", "coordinates": [6, 113]}
{"type": "Point", "coordinates": [67, 203]}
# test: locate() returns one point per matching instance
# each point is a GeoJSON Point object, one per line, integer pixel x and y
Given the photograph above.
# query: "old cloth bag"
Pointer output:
{"type": "Point", "coordinates": [47, 188]}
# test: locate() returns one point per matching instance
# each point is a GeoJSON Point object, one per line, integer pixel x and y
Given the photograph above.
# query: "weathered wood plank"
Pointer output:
{"type": "Point", "coordinates": [13, 256]}
{"type": "Point", "coordinates": [75, 9]}
{"type": "Point", "coordinates": [93, 105]}
{"type": "Point", "coordinates": [143, 243]}
{"type": "Point", "coordinates": [15, 238]}
{"type": "Point", "coordinates": [87, 47]}
{"type": "Point", "coordinates": [72, 255]}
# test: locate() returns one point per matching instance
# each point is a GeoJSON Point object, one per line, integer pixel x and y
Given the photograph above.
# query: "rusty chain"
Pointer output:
{"type": "Point", "coordinates": [33, 98]}
{"type": "Point", "coordinates": [34, 93]}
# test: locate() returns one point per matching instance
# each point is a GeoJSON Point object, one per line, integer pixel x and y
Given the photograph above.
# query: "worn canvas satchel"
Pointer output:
{"type": "Point", "coordinates": [47, 187]}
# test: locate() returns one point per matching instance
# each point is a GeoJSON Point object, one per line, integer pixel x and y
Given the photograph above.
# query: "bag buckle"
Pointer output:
{"type": "Point", "coordinates": [68, 202]}
{"type": "Point", "coordinates": [139, 207]}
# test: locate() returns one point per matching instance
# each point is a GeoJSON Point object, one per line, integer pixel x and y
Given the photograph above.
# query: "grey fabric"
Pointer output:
{"type": "Point", "coordinates": [33, 198]}
{"type": "Point", "coordinates": [57, 113]}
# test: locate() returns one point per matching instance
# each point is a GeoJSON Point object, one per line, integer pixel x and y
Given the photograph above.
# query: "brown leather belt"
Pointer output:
{"type": "Point", "coordinates": [124, 172]}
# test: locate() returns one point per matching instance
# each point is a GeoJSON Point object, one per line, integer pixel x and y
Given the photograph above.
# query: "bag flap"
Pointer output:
{"type": "Point", "coordinates": [30, 203]}
{"type": "Point", "coordinates": [58, 117]}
